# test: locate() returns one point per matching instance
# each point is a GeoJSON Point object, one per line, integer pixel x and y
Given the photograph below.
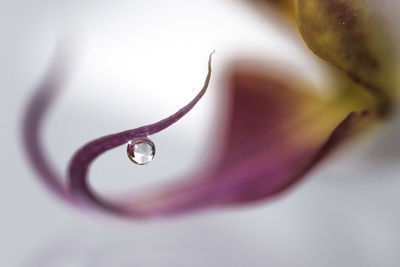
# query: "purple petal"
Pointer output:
{"type": "Point", "coordinates": [269, 143]}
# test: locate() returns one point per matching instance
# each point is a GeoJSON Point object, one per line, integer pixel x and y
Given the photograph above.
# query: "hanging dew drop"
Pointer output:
{"type": "Point", "coordinates": [141, 151]}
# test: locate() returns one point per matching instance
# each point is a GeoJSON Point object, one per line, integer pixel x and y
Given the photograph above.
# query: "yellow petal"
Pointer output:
{"type": "Point", "coordinates": [348, 35]}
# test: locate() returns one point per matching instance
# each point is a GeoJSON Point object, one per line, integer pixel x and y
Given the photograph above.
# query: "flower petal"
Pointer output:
{"type": "Point", "coordinates": [78, 193]}
{"type": "Point", "coordinates": [276, 132]}
{"type": "Point", "coordinates": [349, 35]}
{"type": "Point", "coordinates": [45, 93]}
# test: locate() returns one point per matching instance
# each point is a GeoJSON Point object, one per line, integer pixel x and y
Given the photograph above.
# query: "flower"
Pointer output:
{"type": "Point", "coordinates": [277, 129]}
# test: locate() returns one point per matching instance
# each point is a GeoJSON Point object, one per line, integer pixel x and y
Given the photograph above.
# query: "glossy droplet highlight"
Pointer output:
{"type": "Point", "coordinates": [141, 151]}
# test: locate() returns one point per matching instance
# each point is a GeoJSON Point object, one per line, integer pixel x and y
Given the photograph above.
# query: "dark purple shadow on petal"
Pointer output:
{"type": "Point", "coordinates": [49, 87]}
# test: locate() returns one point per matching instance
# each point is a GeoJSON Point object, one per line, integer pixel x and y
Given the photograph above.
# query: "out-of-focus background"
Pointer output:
{"type": "Point", "coordinates": [136, 62]}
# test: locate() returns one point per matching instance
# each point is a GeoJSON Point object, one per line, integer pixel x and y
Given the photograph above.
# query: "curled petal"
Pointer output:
{"type": "Point", "coordinates": [80, 162]}
{"type": "Point", "coordinates": [276, 131]}
{"type": "Point", "coordinates": [78, 193]}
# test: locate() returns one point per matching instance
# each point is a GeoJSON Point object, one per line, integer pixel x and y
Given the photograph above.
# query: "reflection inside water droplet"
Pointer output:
{"type": "Point", "coordinates": [141, 151]}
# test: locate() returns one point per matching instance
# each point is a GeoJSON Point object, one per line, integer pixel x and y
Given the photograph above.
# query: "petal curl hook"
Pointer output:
{"type": "Point", "coordinates": [77, 191]}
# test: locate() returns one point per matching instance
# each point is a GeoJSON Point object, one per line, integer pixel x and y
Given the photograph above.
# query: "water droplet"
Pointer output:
{"type": "Point", "coordinates": [141, 151]}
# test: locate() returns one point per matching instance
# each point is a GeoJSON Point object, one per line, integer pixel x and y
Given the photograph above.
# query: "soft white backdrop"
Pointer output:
{"type": "Point", "coordinates": [135, 63]}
